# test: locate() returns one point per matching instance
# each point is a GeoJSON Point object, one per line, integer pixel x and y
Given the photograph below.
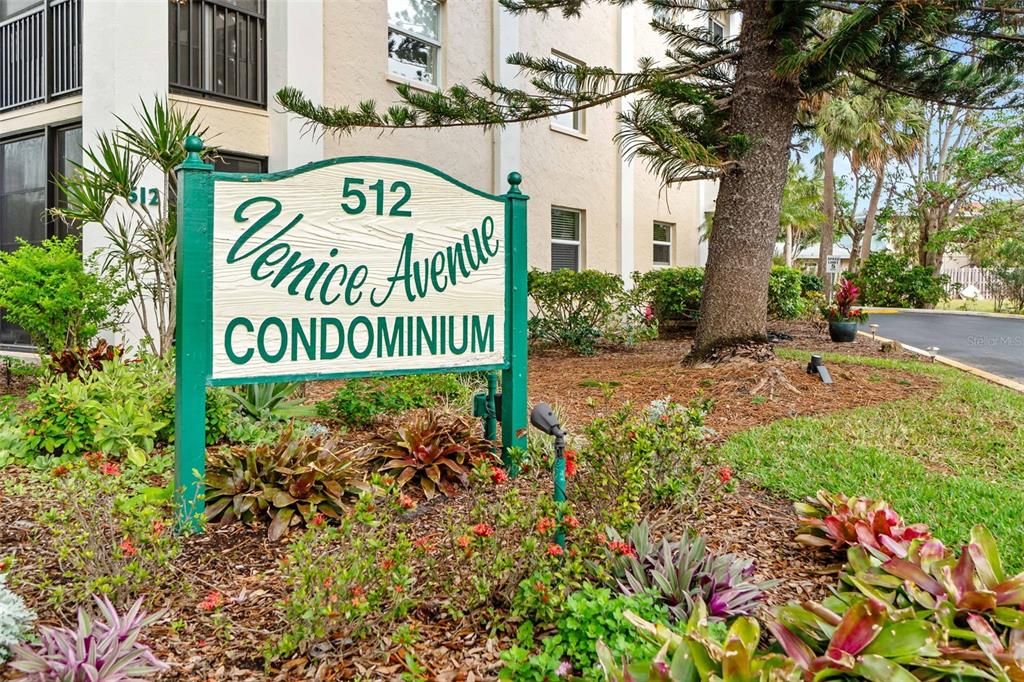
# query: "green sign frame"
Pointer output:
{"type": "Point", "coordinates": [195, 314]}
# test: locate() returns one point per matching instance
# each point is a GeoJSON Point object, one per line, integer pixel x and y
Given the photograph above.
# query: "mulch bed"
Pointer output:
{"type": "Point", "coordinates": [241, 564]}
{"type": "Point", "coordinates": [744, 393]}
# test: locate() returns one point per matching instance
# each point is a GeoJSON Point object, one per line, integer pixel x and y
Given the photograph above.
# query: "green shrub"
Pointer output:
{"type": "Point", "coordinates": [126, 409]}
{"type": "Point", "coordinates": [591, 614]}
{"type": "Point", "coordinates": [809, 283]}
{"type": "Point", "coordinates": [785, 293]}
{"type": "Point", "coordinates": [674, 293]}
{"type": "Point", "coordinates": [359, 402]}
{"type": "Point", "coordinates": [889, 280]}
{"type": "Point", "coordinates": [48, 291]}
{"type": "Point", "coordinates": [110, 533]}
{"type": "Point", "coordinates": [635, 461]}
{"type": "Point", "coordinates": [575, 310]}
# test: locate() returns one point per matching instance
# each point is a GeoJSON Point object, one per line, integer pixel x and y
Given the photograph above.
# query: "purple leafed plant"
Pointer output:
{"type": "Point", "coordinates": [104, 650]}
{"type": "Point", "coordinates": [681, 572]}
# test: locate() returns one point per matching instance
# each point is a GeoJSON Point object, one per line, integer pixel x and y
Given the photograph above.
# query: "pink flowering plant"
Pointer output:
{"type": "Point", "coordinates": [843, 309]}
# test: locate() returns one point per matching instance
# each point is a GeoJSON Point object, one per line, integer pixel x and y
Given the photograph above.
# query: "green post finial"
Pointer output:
{"type": "Point", "coordinates": [514, 178]}
{"type": "Point", "coordinates": [194, 146]}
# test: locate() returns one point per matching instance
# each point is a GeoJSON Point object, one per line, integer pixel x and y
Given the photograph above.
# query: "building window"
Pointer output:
{"type": "Point", "coordinates": [662, 244]}
{"type": "Point", "coordinates": [566, 232]}
{"type": "Point", "coordinates": [218, 48]}
{"type": "Point", "coordinates": [717, 31]}
{"type": "Point", "coordinates": [572, 120]}
{"type": "Point", "coordinates": [234, 162]}
{"type": "Point", "coordinates": [414, 40]}
{"type": "Point", "coordinates": [28, 166]}
{"type": "Point", "coordinates": [40, 50]}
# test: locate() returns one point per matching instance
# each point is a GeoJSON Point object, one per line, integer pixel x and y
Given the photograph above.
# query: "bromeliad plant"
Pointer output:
{"type": "Point", "coordinates": [104, 650]}
{"type": "Point", "coordinates": [836, 521]}
{"type": "Point", "coordinates": [436, 449]}
{"type": "Point", "coordinates": [287, 483]}
{"type": "Point", "coordinates": [842, 310]}
{"type": "Point", "coordinates": [682, 573]}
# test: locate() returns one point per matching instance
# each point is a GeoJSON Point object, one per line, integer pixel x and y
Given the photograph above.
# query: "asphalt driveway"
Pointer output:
{"type": "Point", "coordinates": [994, 344]}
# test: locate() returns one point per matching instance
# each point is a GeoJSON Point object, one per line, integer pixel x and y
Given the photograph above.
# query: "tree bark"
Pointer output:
{"type": "Point", "coordinates": [869, 218]}
{"type": "Point", "coordinates": [828, 208]}
{"type": "Point", "coordinates": [856, 235]}
{"type": "Point", "coordinates": [734, 304]}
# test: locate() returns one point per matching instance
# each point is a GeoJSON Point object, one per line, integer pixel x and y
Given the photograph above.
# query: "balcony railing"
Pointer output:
{"type": "Point", "coordinates": [41, 54]}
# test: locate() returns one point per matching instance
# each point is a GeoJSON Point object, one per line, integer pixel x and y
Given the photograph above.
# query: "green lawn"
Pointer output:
{"type": "Point", "coordinates": [979, 306]}
{"type": "Point", "coordinates": [950, 461]}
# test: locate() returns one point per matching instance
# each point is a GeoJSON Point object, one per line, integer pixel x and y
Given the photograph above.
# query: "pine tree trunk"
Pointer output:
{"type": "Point", "coordinates": [734, 304]}
{"type": "Point", "coordinates": [828, 207]}
{"type": "Point", "coordinates": [869, 218]}
{"type": "Point", "coordinates": [788, 249]}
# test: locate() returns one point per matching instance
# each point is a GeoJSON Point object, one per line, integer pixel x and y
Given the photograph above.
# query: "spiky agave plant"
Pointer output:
{"type": "Point", "coordinates": [683, 572]}
{"type": "Point", "coordinates": [102, 650]}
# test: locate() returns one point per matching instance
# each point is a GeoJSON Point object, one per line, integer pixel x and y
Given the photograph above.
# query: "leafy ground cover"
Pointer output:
{"type": "Point", "coordinates": [946, 458]}
{"type": "Point", "coordinates": [403, 579]}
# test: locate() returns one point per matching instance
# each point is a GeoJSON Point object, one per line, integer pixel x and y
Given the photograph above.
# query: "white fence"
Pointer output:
{"type": "Point", "coordinates": [982, 279]}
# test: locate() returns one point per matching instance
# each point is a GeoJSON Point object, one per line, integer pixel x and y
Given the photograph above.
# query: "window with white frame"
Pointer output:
{"type": "Point", "coordinates": [414, 40]}
{"type": "Point", "coordinates": [571, 120]}
{"type": "Point", "coordinates": [566, 233]}
{"type": "Point", "coordinates": [662, 243]}
{"type": "Point", "coordinates": [717, 31]}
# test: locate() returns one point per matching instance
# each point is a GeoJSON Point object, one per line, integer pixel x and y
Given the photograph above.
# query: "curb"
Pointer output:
{"type": "Point", "coordinates": [933, 311]}
{"type": "Point", "coordinates": [956, 364]}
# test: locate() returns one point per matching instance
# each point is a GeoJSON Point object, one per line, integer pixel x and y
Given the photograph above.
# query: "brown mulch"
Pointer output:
{"type": "Point", "coordinates": [744, 393]}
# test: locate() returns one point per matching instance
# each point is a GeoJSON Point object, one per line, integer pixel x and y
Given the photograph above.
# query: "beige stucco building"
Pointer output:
{"type": "Point", "coordinates": [71, 67]}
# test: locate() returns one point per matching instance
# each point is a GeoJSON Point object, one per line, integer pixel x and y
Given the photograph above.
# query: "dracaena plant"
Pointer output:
{"type": "Point", "coordinates": [843, 309]}
{"type": "Point", "coordinates": [682, 572]}
{"type": "Point", "coordinates": [836, 521]}
{"type": "Point", "coordinates": [97, 650]}
{"type": "Point", "coordinates": [287, 483]}
{"type": "Point", "coordinates": [435, 449]}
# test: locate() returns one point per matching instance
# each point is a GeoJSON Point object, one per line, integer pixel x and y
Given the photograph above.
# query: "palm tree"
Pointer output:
{"type": "Point", "coordinates": [871, 127]}
{"type": "Point", "coordinates": [801, 208]}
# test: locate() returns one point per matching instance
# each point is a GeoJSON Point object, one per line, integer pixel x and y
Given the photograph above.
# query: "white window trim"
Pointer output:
{"type": "Point", "coordinates": [437, 43]}
{"type": "Point", "coordinates": [578, 243]}
{"type": "Point", "coordinates": [655, 242]}
{"type": "Point", "coordinates": [712, 22]}
{"type": "Point", "coordinates": [581, 132]}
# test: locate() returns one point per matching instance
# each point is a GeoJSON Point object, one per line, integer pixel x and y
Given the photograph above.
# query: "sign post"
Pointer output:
{"type": "Point", "coordinates": [349, 267]}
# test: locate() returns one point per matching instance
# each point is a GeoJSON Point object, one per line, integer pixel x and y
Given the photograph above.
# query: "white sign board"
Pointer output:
{"type": "Point", "coordinates": [356, 267]}
{"type": "Point", "coordinates": [833, 264]}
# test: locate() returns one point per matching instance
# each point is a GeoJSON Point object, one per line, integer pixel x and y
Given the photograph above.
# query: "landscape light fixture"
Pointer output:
{"type": "Point", "coordinates": [874, 330]}
{"type": "Point", "coordinates": [817, 366]}
{"type": "Point", "coordinates": [932, 352]}
{"type": "Point", "coordinates": [545, 420]}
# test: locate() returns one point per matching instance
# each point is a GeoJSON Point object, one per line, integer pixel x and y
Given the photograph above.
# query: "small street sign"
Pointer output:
{"type": "Point", "coordinates": [833, 264]}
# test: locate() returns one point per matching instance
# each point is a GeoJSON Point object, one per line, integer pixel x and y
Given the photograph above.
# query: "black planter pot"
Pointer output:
{"type": "Point", "coordinates": [842, 332]}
